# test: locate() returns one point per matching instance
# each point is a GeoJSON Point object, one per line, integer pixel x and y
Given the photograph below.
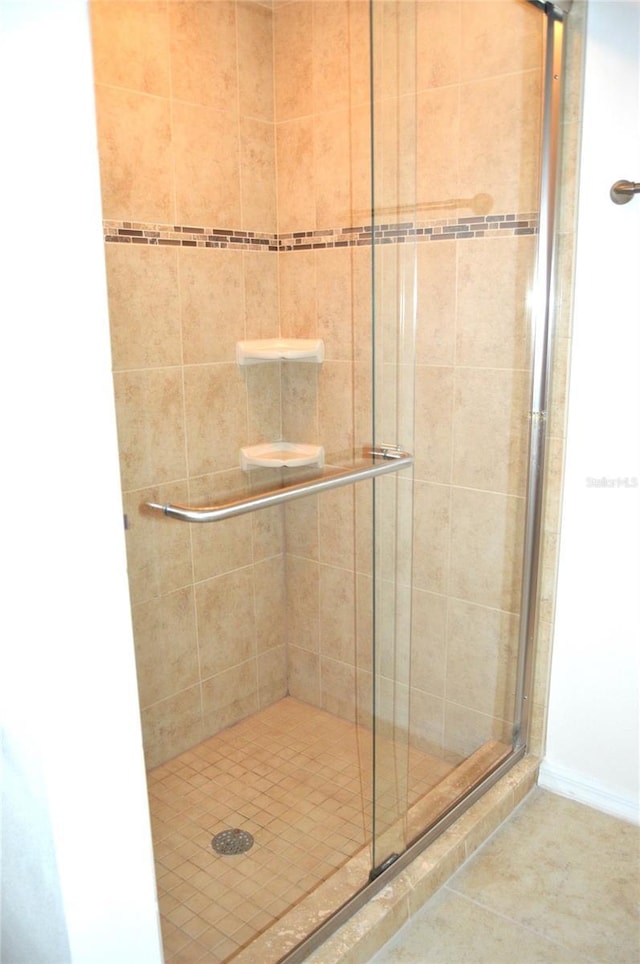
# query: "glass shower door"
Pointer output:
{"type": "Point", "coordinates": [393, 277]}
{"type": "Point", "coordinates": [456, 119]}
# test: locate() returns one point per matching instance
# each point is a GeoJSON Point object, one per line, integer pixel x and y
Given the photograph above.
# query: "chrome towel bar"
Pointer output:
{"type": "Point", "coordinates": [392, 461]}
{"type": "Point", "coordinates": [623, 191]}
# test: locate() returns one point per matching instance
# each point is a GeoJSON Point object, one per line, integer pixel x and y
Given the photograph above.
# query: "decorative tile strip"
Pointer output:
{"type": "Point", "coordinates": [489, 226]}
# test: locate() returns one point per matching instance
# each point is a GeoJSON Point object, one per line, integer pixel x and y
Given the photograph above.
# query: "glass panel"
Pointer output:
{"type": "Point", "coordinates": [456, 128]}
{"type": "Point", "coordinates": [393, 279]}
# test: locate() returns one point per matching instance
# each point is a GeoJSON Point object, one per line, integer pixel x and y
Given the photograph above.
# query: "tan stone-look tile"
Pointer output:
{"type": "Point", "coordinates": [437, 153]}
{"type": "Point", "coordinates": [216, 417]}
{"type": "Point", "coordinates": [363, 409]}
{"type": "Point", "coordinates": [212, 304]}
{"type": "Point", "coordinates": [304, 674]}
{"type": "Point", "coordinates": [272, 675]}
{"type": "Point", "coordinates": [499, 38]}
{"type": "Point", "coordinates": [221, 547]}
{"type": "Point", "coordinates": [559, 387]}
{"type": "Point", "coordinates": [395, 158]}
{"type": "Point", "coordinates": [303, 587]}
{"type": "Point", "coordinates": [392, 631]}
{"type": "Point", "coordinates": [394, 29]}
{"type": "Point", "coordinates": [158, 550]}
{"type": "Point", "coordinates": [573, 881]}
{"type": "Point", "coordinates": [364, 629]}
{"type": "Point", "coordinates": [295, 177]}
{"type": "Point", "coordinates": [491, 429]}
{"type": "Point", "coordinates": [338, 688]}
{"type": "Point", "coordinates": [436, 303]}
{"type": "Point", "coordinates": [466, 730]}
{"type": "Point", "coordinates": [452, 925]}
{"type": "Point", "coordinates": [426, 721]}
{"type": "Point", "coordinates": [335, 302]}
{"type": "Point", "coordinates": [150, 417]}
{"type": "Point", "coordinates": [437, 36]}
{"type": "Point", "coordinates": [270, 606]}
{"type": "Point", "coordinates": [482, 649]}
{"type": "Point", "coordinates": [130, 45]}
{"type": "Point", "coordinates": [144, 312]}
{"type": "Point", "coordinates": [166, 645]}
{"type": "Point", "coordinates": [226, 621]}
{"type": "Point", "coordinates": [293, 59]}
{"type": "Point", "coordinates": [331, 59]}
{"type": "Point", "coordinates": [258, 175]}
{"type": "Point", "coordinates": [431, 536]}
{"type": "Point", "coordinates": [335, 406]}
{"type": "Point", "coordinates": [428, 642]}
{"type": "Point", "coordinates": [264, 404]}
{"type": "Point", "coordinates": [300, 404]}
{"type": "Point", "coordinates": [267, 528]}
{"type": "Point", "coordinates": [486, 548]}
{"type": "Point", "coordinates": [136, 155]}
{"type": "Point", "coordinates": [204, 67]}
{"type": "Point", "coordinates": [301, 527]}
{"type": "Point", "coordinates": [500, 128]}
{"type": "Point", "coordinates": [337, 527]}
{"type": "Point", "coordinates": [337, 614]}
{"type": "Point", "coordinates": [207, 166]}
{"type": "Point", "coordinates": [434, 397]}
{"type": "Point", "coordinates": [229, 697]}
{"type": "Point", "coordinates": [255, 61]}
{"type": "Point", "coordinates": [171, 726]}
{"type": "Point", "coordinates": [553, 481]}
{"type": "Point", "coordinates": [492, 328]}
{"type": "Point", "coordinates": [261, 294]}
{"type": "Point", "coordinates": [297, 281]}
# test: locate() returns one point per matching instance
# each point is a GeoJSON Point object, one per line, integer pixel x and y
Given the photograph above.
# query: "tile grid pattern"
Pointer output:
{"type": "Point", "coordinates": [294, 777]}
{"type": "Point", "coordinates": [487, 226]}
{"type": "Point", "coordinates": [558, 883]}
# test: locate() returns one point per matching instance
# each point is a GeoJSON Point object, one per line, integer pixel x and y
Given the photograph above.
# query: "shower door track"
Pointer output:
{"type": "Point", "coordinates": [375, 462]}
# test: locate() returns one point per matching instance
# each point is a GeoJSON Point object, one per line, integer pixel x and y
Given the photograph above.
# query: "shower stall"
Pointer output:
{"type": "Point", "coordinates": [328, 235]}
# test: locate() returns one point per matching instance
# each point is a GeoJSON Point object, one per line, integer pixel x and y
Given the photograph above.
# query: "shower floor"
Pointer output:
{"type": "Point", "coordinates": [296, 779]}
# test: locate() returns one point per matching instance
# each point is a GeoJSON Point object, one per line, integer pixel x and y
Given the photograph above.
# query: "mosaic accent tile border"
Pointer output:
{"type": "Point", "coordinates": [487, 226]}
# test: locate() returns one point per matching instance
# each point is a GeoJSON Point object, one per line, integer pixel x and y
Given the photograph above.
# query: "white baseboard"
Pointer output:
{"type": "Point", "coordinates": [568, 783]}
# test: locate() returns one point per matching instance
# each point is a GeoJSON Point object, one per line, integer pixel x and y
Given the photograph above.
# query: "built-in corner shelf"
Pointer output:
{"type": "Point", "coordinates": [280, 349]}
{"type": "Point", "coordinates": [280, 455]}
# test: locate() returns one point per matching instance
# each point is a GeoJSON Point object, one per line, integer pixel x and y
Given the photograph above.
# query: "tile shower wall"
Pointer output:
{"type": "Point", "coordinates": [234, 141]}
{"type": "Point", "coordinates": [184, 96]}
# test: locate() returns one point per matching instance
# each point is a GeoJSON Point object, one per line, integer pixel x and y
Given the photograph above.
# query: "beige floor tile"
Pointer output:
{"type": "Point", "coordinates": [305, 814]}
{"type": "Point", "coordinates": [454, 930]}
{"type": "Point", "coordinates": [558, 882]}
{"type": "Point", "coordinates": [566, 871]}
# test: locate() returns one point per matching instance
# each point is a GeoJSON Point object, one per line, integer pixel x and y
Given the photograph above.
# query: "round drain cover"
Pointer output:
{"type": "Point", "coordinates": [232, 842]}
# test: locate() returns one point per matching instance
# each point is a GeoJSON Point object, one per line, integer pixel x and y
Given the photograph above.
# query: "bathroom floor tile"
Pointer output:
{"type": "Point", "coordinates": [459, 931]}
{"type": "Point", "coordinates": [558, 881]}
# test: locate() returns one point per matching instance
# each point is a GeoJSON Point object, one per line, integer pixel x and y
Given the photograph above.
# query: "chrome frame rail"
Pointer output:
{"type": "Point", "coordinates": [391, 460]}
{"type": "Point", "coordinates": [543, 326]}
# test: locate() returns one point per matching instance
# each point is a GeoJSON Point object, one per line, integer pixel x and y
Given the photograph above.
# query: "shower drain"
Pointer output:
{"type": "Point", "coordinates": [232, 842]}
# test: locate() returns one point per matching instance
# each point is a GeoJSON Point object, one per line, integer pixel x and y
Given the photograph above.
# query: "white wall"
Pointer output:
{"type": "Point", "coordinates": [592, 747]}
{"type": "Point", "coordinates": [77, 863]}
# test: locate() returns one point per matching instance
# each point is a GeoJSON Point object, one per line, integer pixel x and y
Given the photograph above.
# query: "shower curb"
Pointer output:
{"type": "Point", "coordinates": [374, 924]}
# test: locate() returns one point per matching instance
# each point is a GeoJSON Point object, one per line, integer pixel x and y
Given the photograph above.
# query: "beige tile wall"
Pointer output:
{"type": "Point", "coordinates": [250, 117]}
{"type": "Point", "coordinates": [184, 96]}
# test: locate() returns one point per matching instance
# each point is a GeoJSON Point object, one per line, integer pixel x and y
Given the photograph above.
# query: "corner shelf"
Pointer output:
{"type": "Point", "coordinates": [280, 349]}
{"type": "Point", "coordinates": [280, 455]}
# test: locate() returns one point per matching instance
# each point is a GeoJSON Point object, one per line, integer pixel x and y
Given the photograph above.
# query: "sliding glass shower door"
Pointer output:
{"type": "Point", "coordinates": [456, 164]}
